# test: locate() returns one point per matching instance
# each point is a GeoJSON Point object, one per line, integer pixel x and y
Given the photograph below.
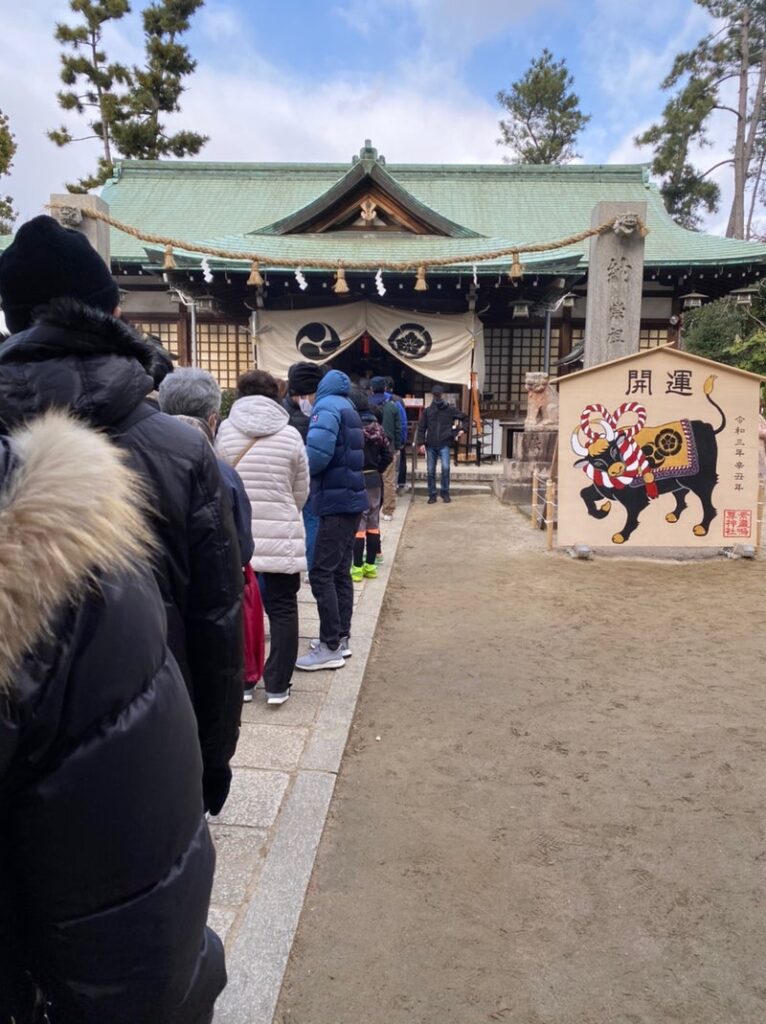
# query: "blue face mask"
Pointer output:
{"type": "Point", "coordinates": [306, 406]}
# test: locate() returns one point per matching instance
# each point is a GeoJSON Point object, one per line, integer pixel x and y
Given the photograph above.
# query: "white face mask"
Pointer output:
{"type": "Point", "coordinates": [306, 406]}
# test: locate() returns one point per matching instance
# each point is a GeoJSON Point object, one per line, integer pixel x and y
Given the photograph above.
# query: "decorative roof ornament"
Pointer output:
{"type": "Point", "coordinates": [368, 156]}
{"type": "Point", "coordinates": [369, 211]}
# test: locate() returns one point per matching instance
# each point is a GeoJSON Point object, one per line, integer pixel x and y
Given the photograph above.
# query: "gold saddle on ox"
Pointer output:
{"type": "Point", "coordinates": [670, 449]}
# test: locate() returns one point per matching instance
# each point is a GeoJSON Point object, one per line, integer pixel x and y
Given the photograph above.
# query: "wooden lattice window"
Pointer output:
{"type": "Point", "coordinates": [225, 350]}
{"type": "Point", "coordinates": [652, 337]}
{"type": "Point", "coordinates": [166, 331]}
{"type": "Point", "coordinates": [509, 354]}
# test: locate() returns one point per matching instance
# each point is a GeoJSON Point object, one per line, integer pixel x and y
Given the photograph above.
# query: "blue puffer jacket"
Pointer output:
{"type": "Point", "coordinates": [335, 448]}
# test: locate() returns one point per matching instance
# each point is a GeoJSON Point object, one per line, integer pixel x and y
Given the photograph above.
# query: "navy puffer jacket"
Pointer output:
{"type": "Point", "coordinates": [106, 863]}
{"type": "Point", "coordinates": [335, 448]}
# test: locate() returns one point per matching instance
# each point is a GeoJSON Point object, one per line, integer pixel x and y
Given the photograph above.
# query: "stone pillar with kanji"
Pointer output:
{"type": "Point", "coordinates": [68, 210]}
{"type": "Point", "coordinates": [615, 283]}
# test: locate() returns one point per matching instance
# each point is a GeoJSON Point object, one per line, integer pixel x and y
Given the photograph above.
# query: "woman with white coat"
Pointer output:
{"type": "Point", "coordinates": [270, 457]}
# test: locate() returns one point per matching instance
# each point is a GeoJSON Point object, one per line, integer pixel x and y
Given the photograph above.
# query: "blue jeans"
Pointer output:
{"type": "Point", "coordinates": [432, 456]}
{"type": "Point", "coordinates": [311, 525]}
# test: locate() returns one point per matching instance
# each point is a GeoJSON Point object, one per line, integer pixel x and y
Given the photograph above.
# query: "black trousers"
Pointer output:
{"type": "Point", "coordinates": [330, 576]}
{"type": "Point", "coordinates": [281, 603]}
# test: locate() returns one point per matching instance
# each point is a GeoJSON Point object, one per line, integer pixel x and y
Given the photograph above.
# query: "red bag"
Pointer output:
{"type": "Point", "coordinates": [255, 634]}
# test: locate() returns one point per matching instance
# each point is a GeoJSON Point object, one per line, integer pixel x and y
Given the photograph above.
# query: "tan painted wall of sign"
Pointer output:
{"type": "Point", "coordinates": [674, 398]}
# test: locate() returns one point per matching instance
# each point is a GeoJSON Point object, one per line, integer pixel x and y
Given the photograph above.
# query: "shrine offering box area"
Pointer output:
{"type": "Point", "coordinates": [658, 449]}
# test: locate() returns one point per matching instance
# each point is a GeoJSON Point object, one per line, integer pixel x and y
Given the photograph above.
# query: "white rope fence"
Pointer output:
{"type": "Point", "coordinates": [544, 507]}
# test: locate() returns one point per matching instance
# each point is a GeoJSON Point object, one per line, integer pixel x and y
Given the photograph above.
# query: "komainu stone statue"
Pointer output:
{"type": "Point", "coordinates": [542, 403]}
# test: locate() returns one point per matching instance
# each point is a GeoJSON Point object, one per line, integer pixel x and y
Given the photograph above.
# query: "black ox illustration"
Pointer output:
{"type": "Point", "coordinates": [633, 473]}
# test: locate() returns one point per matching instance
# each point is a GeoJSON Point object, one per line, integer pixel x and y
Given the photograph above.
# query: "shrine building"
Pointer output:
{"type": "Point", "coordinates": [430, 322]}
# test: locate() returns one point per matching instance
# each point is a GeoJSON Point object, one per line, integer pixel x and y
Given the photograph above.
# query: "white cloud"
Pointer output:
{"type": "Point", "coordinates": [29, 81]}
{"type": "Point", "coordinates": [449, 29]}
{"type": "Point", "coordinates": [266, 117]}
{"type": "Point", "coordinates": [251, 111]}
{"type": "Point", "coordinates": [419, 111]}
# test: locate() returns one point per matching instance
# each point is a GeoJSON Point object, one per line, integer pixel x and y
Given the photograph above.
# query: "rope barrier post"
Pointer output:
{"type": "Point", "coordinates": [550, 498]}
{"type": "Point", "coordinates": [533, 516]}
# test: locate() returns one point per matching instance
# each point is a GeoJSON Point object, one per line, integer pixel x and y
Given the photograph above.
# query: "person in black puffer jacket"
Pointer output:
{"type": "Point", "coordinates": [69, 352]}
{"type": "Point", "coordinates": [106, 862]}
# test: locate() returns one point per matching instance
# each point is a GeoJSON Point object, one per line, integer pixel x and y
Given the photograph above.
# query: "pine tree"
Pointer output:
{"type": "Point", "coordinates": [733, 53]}
{"type": "Point", "coordinates": [157, 87]}
{"type": "Point", "coordinates": [544, 114]}
{"type": "Point", "coordinates": [93, 82]}
{"type": "Point", "coordinates": [7, 153]}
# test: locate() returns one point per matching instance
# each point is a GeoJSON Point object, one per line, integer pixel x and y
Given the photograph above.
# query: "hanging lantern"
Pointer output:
{"type": "Point", "coordinates": [744, 296]}
{"type": "Point", "coordinates": [517, 271]}
{"type": "Point", "coordinates": [365, 344]}
{"type": "Point", "coordinates": [169, 263]}
{"type": "Point", "coordinates": [255, 279]}
{"type": "Point", "coordinates": [693, 300]}
{"type": "Point", "coordinates": [421, 285]}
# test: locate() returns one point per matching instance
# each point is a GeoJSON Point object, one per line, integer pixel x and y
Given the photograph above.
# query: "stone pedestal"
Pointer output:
{"type": "Point", "coordinates": [532, 450]}
{"type": "Point", "coordinates": [615, 284]}
{"type": "Point", "coordinates": [67, 210]}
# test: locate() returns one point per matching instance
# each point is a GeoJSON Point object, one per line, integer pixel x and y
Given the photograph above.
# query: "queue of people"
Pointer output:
{"type": "Point", "coordinates": [142, 538]}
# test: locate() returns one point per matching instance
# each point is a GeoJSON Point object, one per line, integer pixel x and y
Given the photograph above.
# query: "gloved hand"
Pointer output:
{"type": "Point", "coordinates": [216, 782]}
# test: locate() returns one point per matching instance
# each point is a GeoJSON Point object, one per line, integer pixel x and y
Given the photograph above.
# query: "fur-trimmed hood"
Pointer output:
{"type": "Point", "coordinates": [75, 357]}
{"type": "Point", "coordinates": [69, 509]}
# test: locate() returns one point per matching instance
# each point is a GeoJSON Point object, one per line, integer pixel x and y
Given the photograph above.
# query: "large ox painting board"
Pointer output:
{"type": "Point", "coordinates": [658, 449]}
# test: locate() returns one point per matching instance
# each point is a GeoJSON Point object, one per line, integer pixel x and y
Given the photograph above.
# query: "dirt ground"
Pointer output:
{"type": "Point", "coordinates": [552, 806]}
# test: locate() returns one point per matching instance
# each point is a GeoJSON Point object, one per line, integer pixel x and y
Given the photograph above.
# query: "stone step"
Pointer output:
{"type": "Point", "coordinates": [458, 487]}
{"type": "Point", "coordinates": [479, 475]}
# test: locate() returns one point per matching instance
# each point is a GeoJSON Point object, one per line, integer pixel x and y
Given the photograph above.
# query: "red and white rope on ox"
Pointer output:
{"type": "Point", "coordinates": [599, 426]}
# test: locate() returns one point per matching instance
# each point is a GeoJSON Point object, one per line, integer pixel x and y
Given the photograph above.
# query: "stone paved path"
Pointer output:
{"type": "Point", "coordinates": [284, 775]}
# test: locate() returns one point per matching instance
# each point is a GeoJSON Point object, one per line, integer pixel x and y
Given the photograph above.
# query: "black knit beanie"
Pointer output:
{"type": "Point", "coordinates": [47, 261]}
{"type": "Point", "coordinates": [304, 378]}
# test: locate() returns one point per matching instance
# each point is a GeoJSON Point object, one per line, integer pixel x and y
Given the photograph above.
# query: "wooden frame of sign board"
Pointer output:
{"type": "Point", "coordinates": [658, 449]}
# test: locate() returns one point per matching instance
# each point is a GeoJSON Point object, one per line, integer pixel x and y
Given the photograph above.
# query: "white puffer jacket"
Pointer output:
{"type": "Point", "coordinates": [276, 477]}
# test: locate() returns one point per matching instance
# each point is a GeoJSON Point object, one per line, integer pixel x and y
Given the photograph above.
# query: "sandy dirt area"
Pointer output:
{"type": "Point", "coordinates": [552, 805]}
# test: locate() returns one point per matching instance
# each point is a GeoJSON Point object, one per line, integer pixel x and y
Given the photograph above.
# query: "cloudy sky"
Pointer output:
{"type": "Point", "coordinates": [305, 80]}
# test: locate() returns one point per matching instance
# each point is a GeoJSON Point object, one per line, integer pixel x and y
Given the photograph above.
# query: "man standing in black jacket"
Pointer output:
{"type": "Point", "coordinates": [435, 436]}
{"type": "Point", "coordinates": [70, 350]}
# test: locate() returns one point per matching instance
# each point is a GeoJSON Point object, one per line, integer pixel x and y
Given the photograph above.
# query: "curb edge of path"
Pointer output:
{"type": "Point", "coordinates": [257, 959]}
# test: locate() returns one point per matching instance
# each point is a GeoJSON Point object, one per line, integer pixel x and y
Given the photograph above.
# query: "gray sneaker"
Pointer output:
{"type": "Point", "coordinates": [345, 649]}
{"type": "Point", "coordinates": [320, 657]}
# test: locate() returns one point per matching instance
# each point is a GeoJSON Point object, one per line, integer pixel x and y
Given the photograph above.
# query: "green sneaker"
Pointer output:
{"type": "Point", "coordinates": [370, 571]}
{"type": "Point", "coordinates": [357, 573]}
{"type": "Point", "coordinates": [379, 559]}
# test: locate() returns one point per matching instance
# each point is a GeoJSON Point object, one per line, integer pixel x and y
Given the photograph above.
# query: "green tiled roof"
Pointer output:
{"type": "Point", "coordinates": [225, 204]}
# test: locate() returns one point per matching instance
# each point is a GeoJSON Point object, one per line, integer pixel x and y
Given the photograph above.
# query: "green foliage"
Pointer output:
{"type": "Point", "coordinates": [7, 153]}
{"type": "Point", "coordinates": [733, 53]}
{"type": "Point", "coordinates": [544, 114]}
{"type": "Point", "coordinates": [158, 86]}
{"type": "Point", "coordinates": [95, 87]}
{"type": "Point", "coordinates": [749, 353]}
{"type": "Point", "coordinates": [228, 398]}
{"type": "Point", "coordinates": [712, 330]}
{"type": "Point", "coordinates": [730, 333]}
{"type": "Point", "coordinates": [124, 105]}
{"type": "Point", "coordinates": [685, 190]}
